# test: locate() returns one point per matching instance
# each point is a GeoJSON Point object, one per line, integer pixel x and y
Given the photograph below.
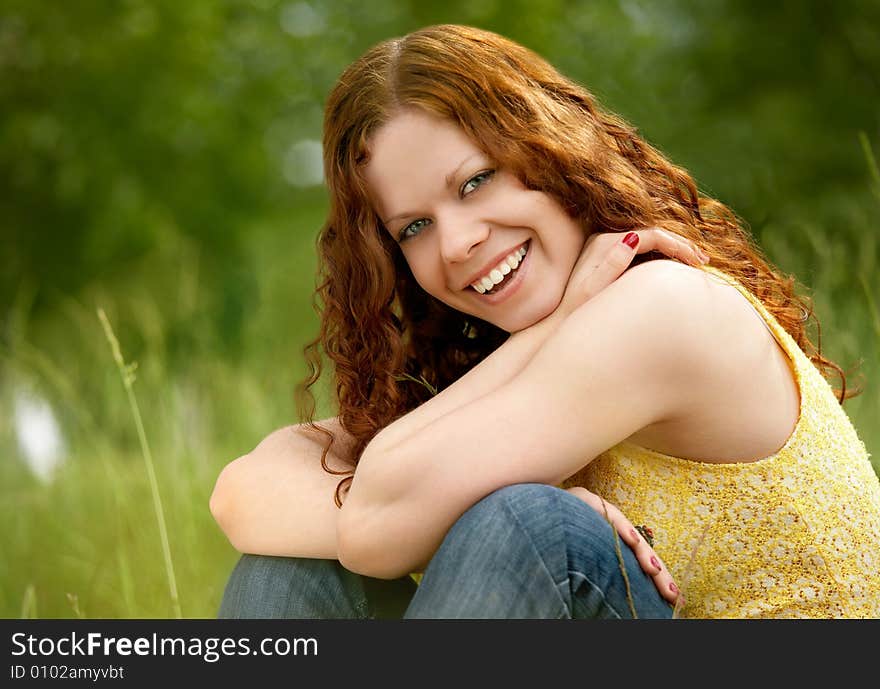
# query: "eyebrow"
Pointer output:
{"type": "Point", "coordinates": [450, 180]}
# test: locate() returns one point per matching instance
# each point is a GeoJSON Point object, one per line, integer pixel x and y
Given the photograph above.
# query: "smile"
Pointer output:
{"type": "Point", "coordinates": [500, 276]}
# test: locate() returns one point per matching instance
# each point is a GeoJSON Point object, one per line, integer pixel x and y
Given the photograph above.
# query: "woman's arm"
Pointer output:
{"type": "Point", "coordinates": [617, 364]}
{"type": "Point", "coordinates": [278, 500]}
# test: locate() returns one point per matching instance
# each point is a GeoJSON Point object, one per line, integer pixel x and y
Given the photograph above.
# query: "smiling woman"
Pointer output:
{"type": "Point", "coordinates": [515, 299]}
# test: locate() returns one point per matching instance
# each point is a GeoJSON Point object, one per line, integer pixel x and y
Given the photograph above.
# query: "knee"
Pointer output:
{"type": "Point", "coordinates": [508, 517]}
{"type": "Point", "coordinates": [263, 586]}
{"type": "Point", "coordinates": [267, 571]}
{"type": "Point", "coordinates": [521, 501]}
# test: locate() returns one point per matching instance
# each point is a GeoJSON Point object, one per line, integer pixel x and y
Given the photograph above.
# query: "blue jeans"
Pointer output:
{"type": "Point", "coordinates": [525, 551]}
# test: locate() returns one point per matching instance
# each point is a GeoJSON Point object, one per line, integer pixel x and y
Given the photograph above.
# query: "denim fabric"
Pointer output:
{"type": "Point", "coordinates": [264, 587]}
{"type": "Point", "coordinates": [525, 551]}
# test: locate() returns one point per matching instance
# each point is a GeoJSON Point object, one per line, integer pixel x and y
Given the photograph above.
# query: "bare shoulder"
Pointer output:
{"type": "Point", "coordinates": [678, 329]}
{"type": "Point", "coordinates": [662, 307]}
{"type": "Point", "coordinates": [690, 307]}
{"type": "Point", "coordinates": [667, 281]}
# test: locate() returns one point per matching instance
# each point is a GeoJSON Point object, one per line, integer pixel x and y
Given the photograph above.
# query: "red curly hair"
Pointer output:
{"type": "Point", "coordinates": [392, 344]}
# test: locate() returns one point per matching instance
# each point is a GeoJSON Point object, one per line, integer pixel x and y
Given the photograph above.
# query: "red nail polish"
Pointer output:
{"type": "Point", "coordinates": [673, 587]}
{"type": "Point", "coordinates": [631, 240]}
{"type": "Point", "coordinates": [655, 562]}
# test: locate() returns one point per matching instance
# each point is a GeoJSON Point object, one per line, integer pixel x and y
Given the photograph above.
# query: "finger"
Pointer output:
{"type": "Point", "coordinates": [593, 500]}
{"type": "Point", "coordinates": [618, 258]}
{"type": "Point", "coordinates": [663, 580]}
{"type": "Point", "coordinates": [648, 559]}
{"type": "Point", "coordinates": [672, 245]}
{"type": "Point", "coordinates": [604, 268]}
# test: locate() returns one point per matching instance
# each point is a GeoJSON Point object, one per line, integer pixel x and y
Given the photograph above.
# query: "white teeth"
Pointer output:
{"type": "Point", "coordinates": [508, 264]}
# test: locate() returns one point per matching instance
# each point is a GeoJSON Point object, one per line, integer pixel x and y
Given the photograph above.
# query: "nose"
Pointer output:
{"type": "Point", "coordinates": [459, 237]}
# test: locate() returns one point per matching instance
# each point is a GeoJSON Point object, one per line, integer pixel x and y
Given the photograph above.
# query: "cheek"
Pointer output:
{"type": "Point", "coordinates": [576, 237]}
{"type": "Point", "coordinates": [425, 272]}
{"type": "Point", "coordinates": [541, 211]}
{"type": "Point", "coordinates": [561, 235]}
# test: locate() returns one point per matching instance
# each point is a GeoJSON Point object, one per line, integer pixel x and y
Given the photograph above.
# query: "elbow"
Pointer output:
{"type": "Point", "coordinates": [371, 531]}
{"type": "Point", "coordinates": [217, 502]}
{"type": "Point", "coordinates": [222, 504]}
{"type": "Point", "coordinates": [351, 546]}
{"type": "Point", "coordinates": [361, 552]}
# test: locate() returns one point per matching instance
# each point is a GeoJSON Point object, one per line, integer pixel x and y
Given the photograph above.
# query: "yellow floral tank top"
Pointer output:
{"type": "Point", "coordinates": [796, 534]}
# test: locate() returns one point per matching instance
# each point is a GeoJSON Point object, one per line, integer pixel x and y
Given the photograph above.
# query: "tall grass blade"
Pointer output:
{"type": "Point", "coordinates": [688, 572]}
{"type": "Point", "coordinates": [872, 305]}
{"type": "Point", "coordinates": [29, 603]}
{"type": "Point", "coordinates": [127, 583]}
{"type": "Point", "coordinates": [872, 162]}
{"type": "Point", "coordinates": [127, 374]}
{"type": "Point", "coordinates": [73, 599]}
{"type": "Point", "coordinates": [620, 562]}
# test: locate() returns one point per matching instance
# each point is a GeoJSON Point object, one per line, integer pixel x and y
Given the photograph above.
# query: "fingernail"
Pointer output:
{"type": "Point", "coordinates": [655, 562]}
{"type": "Point", "coordinates": [631, 240]}
{"type": "Point", "coordinates": [673, 587]}
{"type": "Point", "coordinates": [634, 534]}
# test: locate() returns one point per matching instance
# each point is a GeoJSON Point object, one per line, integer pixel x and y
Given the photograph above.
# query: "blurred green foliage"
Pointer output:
{"type": "Point", "coordinates": [157, 159]}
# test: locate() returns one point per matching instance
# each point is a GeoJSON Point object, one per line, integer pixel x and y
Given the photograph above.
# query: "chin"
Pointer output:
{"type": "Point", "coordinates": [527, 316]}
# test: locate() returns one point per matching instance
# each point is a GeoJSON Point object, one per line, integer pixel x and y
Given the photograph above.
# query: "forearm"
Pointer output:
{"type": "Point", "coordinates": [491, 373]}
{"type": "Point", "coordinates": [278, 500]}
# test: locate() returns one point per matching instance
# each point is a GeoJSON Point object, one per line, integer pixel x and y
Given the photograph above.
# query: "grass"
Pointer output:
{"type": "Point", "coordinates": [127, 373]}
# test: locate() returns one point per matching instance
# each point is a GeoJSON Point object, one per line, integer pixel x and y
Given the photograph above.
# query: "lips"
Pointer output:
{"type": "Point", "coordinates": [502, 276]}
{"type": "Point", "coordinates": [496, 271]}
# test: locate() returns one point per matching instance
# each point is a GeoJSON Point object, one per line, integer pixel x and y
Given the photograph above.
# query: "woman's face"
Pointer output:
{"type": "Point", "coordinates": [474, 236]}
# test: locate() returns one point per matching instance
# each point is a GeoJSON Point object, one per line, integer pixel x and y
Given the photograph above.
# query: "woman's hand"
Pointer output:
{"type": "Point", "coordinates": [648, 559]}
{"type": "Point", "coordinates": [606, 255]}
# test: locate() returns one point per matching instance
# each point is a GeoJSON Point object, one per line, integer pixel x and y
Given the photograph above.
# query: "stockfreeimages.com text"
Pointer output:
{"type": "Point", "coordinates": [210, 649]}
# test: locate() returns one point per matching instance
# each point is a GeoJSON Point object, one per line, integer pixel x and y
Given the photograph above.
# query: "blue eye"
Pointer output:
{"type": "Point", "coordinates": [413, 228]}
{"type": "Point", "coordinates": [467, 188]}
{"type": "Point", "coordinates": [476, 181]}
